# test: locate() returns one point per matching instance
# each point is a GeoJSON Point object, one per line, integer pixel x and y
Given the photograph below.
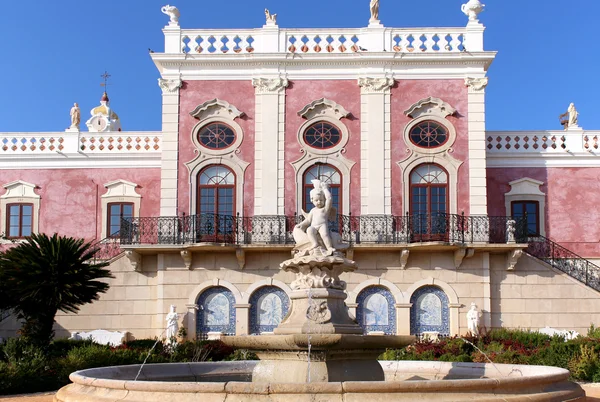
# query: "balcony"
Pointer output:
{"type": "Point", "coordinates": [222, 230]}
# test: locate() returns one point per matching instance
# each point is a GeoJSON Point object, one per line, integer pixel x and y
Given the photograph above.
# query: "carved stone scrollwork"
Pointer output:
{"type": "Point", "coordinates": [461, 254]}
{"type": "Point", "coordinates": [134, 259]}
{"type": "Point", "coordinates": [169, 86]}
{"type": "Point", "coordinates": [318, 312]}
{"type": "Point", "coordinates": [476, 84]}
{"type": "Point", "coordinates": [318, 272]}
{"type": "Point", "coordinates": [375, 85]}
{"type": "Point", "coordinates": [269, 85]}
{"type": "Point", "coordinates": [512, 259]}
{"type": "Point", "coordinates": [187, 258]}
{"type": "Point", "coordinates": [404, 258]}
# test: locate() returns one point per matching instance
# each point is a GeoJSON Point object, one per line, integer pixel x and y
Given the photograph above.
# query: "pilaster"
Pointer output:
{"type": "Point", "coordinates": [487, 292]}
{"type": "Point", "coordinates": [269, 145]}
{"type": "Point", "coordinates": [403, 318]}
{"type": "Point", "coordinates": [477, 150]}
{"type": "Point", "coordinates": [170, 128]}
{"type": "Point", "coordinates": [161, 306]}
{"type": "Point", "coordinates": [375, 134]}
{"type": "Point", "coordinates": [242, 317]}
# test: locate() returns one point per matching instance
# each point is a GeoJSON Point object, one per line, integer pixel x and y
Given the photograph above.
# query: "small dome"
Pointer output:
{"type": "Point", "coordinates": [104, 97]}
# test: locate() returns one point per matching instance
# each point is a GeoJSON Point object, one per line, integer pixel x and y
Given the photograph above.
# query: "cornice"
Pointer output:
{"type": "Point", "coordinates": [81, 161]}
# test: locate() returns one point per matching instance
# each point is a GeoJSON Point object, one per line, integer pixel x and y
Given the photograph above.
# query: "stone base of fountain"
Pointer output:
{"type": "Point", "coordinates": [330, 358]}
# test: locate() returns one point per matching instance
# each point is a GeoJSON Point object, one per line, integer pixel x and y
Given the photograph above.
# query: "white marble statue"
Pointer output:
{"type": "Point", "coordinates": [472, 8]}
{"type": "Point", "coordinates": [172, 324]}
{"type": "Point", "coordinates": [374, 7]}
{"type": "Point", "coordinates": [473, 318]}
{"type": "Point", "coordinates": [315, 222]}
{"type": "Point", "coordinates": [75, 116]}
{"type": "Point", "coordinates": [573, 115]}
{"type": "Point", "coordinates": [271, 18]}
{"type": "Point", "coordinates": [172, 12]}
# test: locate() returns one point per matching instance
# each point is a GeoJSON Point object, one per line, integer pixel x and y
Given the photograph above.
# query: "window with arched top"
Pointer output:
{"type": "Point", "coordinates": [268, 306]}
{"type": "Point", "coordinates": [215, 215]}
{"type": "Point", "coordinates": [216, 312]}
{"type": "Point", "coordinates": [375, 311]}
{"type": "Point", "coordinates": [429, 202]}
{"type": "Point", "coordinates": [430, 311]}
{"type": "Point", "coordinates": [327, 174]}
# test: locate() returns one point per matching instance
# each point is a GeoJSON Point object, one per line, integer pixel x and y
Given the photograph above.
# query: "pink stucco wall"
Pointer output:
{"type": "Point", "coordinates": [70, 198]}
{"type": "Point", "coordinates": [298, 95]}
{"type": "Point", "coordinates": [571, 203]}
{"type": "Point", "coordinates": [241, 95]}
{"type": "Point", "coordinates": [404, 94]}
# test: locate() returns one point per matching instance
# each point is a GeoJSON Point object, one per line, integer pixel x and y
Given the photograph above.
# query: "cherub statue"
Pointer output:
{"type": "Point", "coordinates": [172, 324]}
{"type": "Point", "coordinates": [271, 18]}
{"type": "Point", "coordinates": [374, 7]}
{"type": "Point", "coordinates": [315, 222]}
{"type": "Point", "coordinates": [473, 316]}
{"type": "Point", "coordinates": [173, 14]}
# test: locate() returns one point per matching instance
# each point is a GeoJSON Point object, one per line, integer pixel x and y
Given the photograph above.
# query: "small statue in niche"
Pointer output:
{"type": "Point", "coordinates": [570, 117]}
{"type": "Point", "coordinates": [173, 14]}
{"type": "Point", "coordinates": [473, 318]}
{"type": "Point", "coordinates": [374, 7]}
{"type": "Point", "coordinates": [271, 18]}
{"type": "Point", "coordinates": [172, 324]}
{"type": "Point", "coordinates": [75, 116]}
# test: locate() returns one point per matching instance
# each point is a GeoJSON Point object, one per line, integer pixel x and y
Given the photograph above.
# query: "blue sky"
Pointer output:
{"type": "Point", "coordinates": [54, 52]}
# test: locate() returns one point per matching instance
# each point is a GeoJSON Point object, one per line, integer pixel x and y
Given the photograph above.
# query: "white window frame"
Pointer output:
{"type": "Point", "coordinates": [527, 189]}
{"type": "Point", "coordinates": [119, 191]}
{"type": "Point", "coordinates": [19, 192]}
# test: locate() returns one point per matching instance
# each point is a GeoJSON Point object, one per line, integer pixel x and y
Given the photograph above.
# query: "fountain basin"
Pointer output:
{"type": "Point", "coordinates": [404, 381]}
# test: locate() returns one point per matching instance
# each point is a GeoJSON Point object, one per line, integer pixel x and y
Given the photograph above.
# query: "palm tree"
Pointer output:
{"type": "Point", "coordinates": [45, 274]}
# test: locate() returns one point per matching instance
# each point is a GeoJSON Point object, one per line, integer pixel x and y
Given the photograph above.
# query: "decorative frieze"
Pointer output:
{"type": "Point", "coordinates": [375, 85]}
{"type": "Point", "coordinates": [169, 86]}
{"type": "Point", "coordinates": [269, 85]}
{"type": "Point", "coordinates": [476, 84]}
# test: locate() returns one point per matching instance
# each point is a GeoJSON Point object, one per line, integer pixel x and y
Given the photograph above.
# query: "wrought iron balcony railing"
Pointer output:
{"type": "Point", "coordinates": [369, 229]}
{"type": "Point", "coordinates": [564, 260]}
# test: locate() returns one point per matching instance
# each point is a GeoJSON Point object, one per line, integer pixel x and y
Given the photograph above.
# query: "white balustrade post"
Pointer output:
{"type": "Point", "coordinates": [267, 39]}
{"type": "Point", "coordinates": [373, 38]}
{"type": "Point", "coordinates": [473, 41]}
{"type": "Point", "coordinates": [71, 142]}
{"type": "Point", "coordinates": [172, 39]}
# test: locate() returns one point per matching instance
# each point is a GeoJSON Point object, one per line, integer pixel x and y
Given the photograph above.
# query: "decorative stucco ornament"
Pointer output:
{"type": "Point", "coordinates": [472, 8]}
{"type": "Point", "coordinates": [476, 84]}
{"type": "Point", "coordinates": [269, 85]}
{"type": "Point", "coordinates": [169, 86]}
{"type": "Point", "coordinates": [375, 85]}
{"type": "Point", "coordinates": [172, 12]}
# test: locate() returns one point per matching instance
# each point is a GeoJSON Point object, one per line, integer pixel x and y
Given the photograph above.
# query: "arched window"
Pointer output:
{"type": "Point", "coordinates": [268, 306]}
{"type": "Point", "coordinates": [429, 202]}
{"type": "Point", "coordinates": [216, 203]}
{"type": "Point", "coordinates": [429, 311]}
{"type": "Point", "coordinates": [376, 311]}
{"type": "Point", "coordinates": [216, 312]}
{"type": "Point", "coordinates": [327, 174]}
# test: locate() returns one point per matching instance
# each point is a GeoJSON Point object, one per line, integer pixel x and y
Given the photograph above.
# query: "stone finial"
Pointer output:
{"type": "Point", "coordinates": [173, 14]}
{"type": "Point", "coordinates": [472, 9]}
{"type": "Point", "coordinates": [271, 19]}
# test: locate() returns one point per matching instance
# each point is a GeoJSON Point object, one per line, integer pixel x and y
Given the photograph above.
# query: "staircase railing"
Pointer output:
{"type": "Point", "coordinates": [108, 248]}
{"type": "Point", "coordinates": [564, 260]}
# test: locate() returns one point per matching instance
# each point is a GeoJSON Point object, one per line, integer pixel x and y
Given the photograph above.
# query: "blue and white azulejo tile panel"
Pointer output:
{"type": "Point", "coordinates": [216, 311]}
{"type": "Point", "coordinates": [376, 311]}
{"type": "Point", "coordinates": [268, 306]}
{"type": "Point", "coordinates": [429, 311]}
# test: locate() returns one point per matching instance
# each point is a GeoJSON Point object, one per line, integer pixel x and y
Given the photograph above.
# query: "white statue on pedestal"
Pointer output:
{"type": "Point", "coordinates": [315, 225]}
{"type": "Point", "coordinates": [374, 7]}
{"type": "Point", "coordinates": [271, 18]}
{"type": "Point", "coordinates": [173, 14]}
{"type": "Point", "coordinates": [572, 117]}
{"type": "Point", "coordinates": [172, 324]}
{"type": "Point", "coordinates": [472, 8]}
{"type": "Point", "coordinates": [75, 116]}
{"type": "Point", "coordinates": [473, 318]}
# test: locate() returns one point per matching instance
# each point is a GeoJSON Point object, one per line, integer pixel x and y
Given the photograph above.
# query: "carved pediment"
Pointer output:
{"type": "Point", "coordinates": [216, 107]}
{"type": "Point", "coordinates": [430, 106]}
{"type": "Point", "coordinates": [323, 107]}
{"type": "Point", "coordinates": [20, 188]}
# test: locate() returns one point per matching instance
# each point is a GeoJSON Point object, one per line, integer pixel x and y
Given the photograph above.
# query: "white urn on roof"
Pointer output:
{"type": "Point", "coordinates": [472, 9]}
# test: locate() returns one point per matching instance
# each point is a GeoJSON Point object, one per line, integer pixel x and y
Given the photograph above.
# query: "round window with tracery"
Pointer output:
{"type": "Point", "coordinates": [322, 135]}
{"type": "Point", "coordinates": [216, 136]}
{"type": "Point", "coordinates": [428, 134]}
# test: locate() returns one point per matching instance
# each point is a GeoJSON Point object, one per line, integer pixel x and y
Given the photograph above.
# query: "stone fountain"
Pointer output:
{"type": "Point", "coordinates": [318, 352]}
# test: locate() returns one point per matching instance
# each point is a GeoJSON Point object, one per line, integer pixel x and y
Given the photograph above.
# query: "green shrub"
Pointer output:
{"type": "Point", "coordinates": [593, 332]}
{"type": "Point", "coordinates": [145, 344]}
{"type": "Point", "coordinates": [585, 365]}
{"type": "Point", "coordinates": [242, 354]}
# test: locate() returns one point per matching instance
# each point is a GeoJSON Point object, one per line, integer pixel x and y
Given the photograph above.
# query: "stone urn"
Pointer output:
{"type": "Point", "coordinates": [472, 8]}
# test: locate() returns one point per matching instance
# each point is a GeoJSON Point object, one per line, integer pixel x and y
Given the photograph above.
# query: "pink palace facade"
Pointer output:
{"type": "Point", "coordinates": [440, 213]}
